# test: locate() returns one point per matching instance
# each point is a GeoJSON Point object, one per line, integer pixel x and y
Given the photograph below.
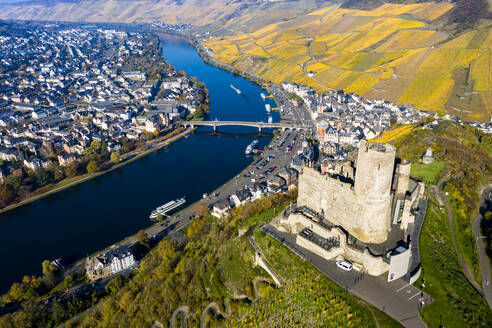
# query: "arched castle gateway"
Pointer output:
{"type": "Point", "coordinates": [362, 208]}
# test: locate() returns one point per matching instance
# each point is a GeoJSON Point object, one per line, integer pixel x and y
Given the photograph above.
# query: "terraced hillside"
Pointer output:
{"type": "Point", "coordinates": [393, 52]}
{"type": "Point", "coordinates": [218, 15]}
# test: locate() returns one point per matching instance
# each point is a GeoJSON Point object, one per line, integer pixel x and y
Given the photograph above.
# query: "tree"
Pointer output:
{"type": "Point", "coordinates": [59, 312]}
{"type": "Point", "coordinates": [114, 285]}
{"type": "Point", "coordinates": [127, 145]}
{"type": "Point", "coordinates": [143, 239]}
{"type": "Point", "coordinates": [201, 210]}
{"type": "Point", "coordinates": [115, 157]}
{"type": "Point", "coordinates": [7, 194]}
{"type": "Point", "coordinates": [198, 114]}
{"type": "Point", "coordinates": [488, 216]}
{"type": "Point", "coordinates": [49, 276]}
{"type": "Point", "coordinates": [68, 282]}
{"type": "Point", "coordinates": [47, 267]}
{"type": "Point", "coordinates": [43, 177]}
{"type": "Point", "coordinates": [103, 150]}
{"type": "Point", "coordinates": [92, 167]}
{"type": "Point", "coordinates": [58, 172]}
{"type": "Point", "coordinates": [14, 181]}
{"type": "Point", "coordinates": [16, 292]}
{"type": "Point", "coordinates": [195, 227]}
{"type": "Point", "coordinates": [94, 148]}
{"type": "Point", "coordinates": [72, 169]}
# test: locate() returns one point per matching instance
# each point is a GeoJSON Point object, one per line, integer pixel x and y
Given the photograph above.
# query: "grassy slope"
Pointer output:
{"type": "Point", "coordinates": [217, 263]}
{"type": "Point", "coordinates": [456, 303]}
{"type": "Point", "coordinates": [453, 145]}
{"type": "Point", "coordinates": [305, 290]}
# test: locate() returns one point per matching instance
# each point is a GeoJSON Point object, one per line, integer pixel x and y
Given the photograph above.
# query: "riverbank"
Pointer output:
{"type": "Point", "coordinates": [195, 43]}
{"type": "Point", "coordinates": [70, 182]}
{"type": "Point", "coordinates": [110, 207]}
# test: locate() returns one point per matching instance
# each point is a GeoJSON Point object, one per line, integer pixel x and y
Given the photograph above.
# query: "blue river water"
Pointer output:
{"type": "Point", "coordinates": [97, 213]}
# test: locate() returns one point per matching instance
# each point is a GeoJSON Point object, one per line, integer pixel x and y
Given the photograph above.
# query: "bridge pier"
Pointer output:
{"type": "Point", "coordinates": [259, 129]}
{"type": "Point", "coordinates": [215, 128]}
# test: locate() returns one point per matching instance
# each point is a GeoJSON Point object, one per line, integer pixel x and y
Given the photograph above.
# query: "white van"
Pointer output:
{"type": "Point", "coordinates": [344, 265]}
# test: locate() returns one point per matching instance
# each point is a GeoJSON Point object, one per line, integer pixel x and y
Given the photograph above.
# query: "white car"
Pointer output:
{"type": "Point", "coordinates": [344, 265]}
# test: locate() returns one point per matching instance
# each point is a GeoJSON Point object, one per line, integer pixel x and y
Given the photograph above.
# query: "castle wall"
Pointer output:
{"type": "Point", "coordinates": [366, 218]}
{"type": "Point", "coordinates": [327, 254]}
{"type": "Point", "coordinates": [325, 194]}
{"type": "Point", "coordinates": [375, 266]}
{"type": "Point", "coordinates": [403, 177]}
{"type": "Point", "coordinates": [297, 222]}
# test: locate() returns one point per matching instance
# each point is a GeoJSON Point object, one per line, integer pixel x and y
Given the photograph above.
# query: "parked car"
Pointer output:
{"type": "Point", "coordinates": [344, 265]}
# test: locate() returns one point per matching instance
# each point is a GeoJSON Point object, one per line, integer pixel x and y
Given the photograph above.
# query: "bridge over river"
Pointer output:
{"type": "Point", "coordinates": [259, 125]}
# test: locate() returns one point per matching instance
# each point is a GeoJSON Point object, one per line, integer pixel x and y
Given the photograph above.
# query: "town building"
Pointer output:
{"type": "Point", "coordinates": [112, 262]}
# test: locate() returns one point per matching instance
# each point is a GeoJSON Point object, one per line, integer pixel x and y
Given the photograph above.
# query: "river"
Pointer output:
{"type": "Point", "coordinates": [95, 214]}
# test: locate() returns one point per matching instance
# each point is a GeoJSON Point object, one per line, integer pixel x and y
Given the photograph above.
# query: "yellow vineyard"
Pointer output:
{"type": "Point", "coordinates": [393, 134]}
{"type": "Point", "coordinates": [389, 53]}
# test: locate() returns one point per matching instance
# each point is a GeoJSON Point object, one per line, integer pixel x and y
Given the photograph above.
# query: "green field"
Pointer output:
{"type": "Point", "coordinates": [427, 172]}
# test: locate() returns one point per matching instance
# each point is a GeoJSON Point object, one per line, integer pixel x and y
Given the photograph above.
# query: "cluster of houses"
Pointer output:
{"type": "Point", "coordinates": [274, 183]}
{"type": "Point", "coordinates": [345, 118]}
{"type": "Point", "coordinates": [62, 89]}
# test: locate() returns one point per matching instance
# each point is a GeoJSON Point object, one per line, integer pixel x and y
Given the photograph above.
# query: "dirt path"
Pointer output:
{"type": "Point", "coordinates": [437, 190]}
{"type": "Point", "coordinates": [374, 317]}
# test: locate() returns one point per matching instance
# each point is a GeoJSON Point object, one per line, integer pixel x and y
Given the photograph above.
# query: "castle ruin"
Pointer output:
{"type": "Point", "coordinates": [362, 217]}
{"type": "Point", "coordinates": [363, 208]}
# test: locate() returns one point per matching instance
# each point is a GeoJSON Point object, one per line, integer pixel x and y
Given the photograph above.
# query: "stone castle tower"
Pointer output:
{"type": "Point", "coordinates": [372, 187]}
{"type": "Point", "coordinates": [364, 208]}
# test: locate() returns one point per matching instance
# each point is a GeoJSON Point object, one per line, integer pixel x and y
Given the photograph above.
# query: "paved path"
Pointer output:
{"type": "Point", "coordinates": [482, 255]}
{"type": "Point", "coordinates": [398, 299]}
{"type": "Point", "coordinates": [464, 264]}
{"type": "Point", "coordinates": [261, 261]}
{"type": "Point", "coordinates": [183, 311]}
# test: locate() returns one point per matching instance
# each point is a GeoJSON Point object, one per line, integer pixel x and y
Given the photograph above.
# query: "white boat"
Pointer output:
{"type": "Point", "coordinates": [163, 209]}
{"type": "Point", "coordinates": [235, 89]}
{"type": "Point", "coordinates": [262, 96]}
{"type": "Point", "coordinates": [251, 146]}
{"type": "Point", "coordinates": [268, 108]}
